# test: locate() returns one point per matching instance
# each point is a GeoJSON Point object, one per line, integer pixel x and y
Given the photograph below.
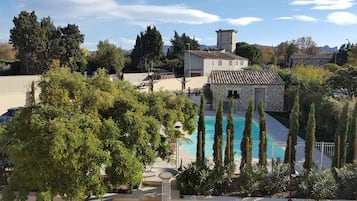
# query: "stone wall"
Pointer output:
{"type": "Point", "coordinates": [273, 101]}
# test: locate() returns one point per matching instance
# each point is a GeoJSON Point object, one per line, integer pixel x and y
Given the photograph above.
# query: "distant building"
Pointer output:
{"type": "Point", "coordinates": [314, 60]}
{"type": "Point", "coordinates": [226, 40]}
{"type": "Point", "coordinates": [201, 63]}
{"type": "Point", "coordinates": [265, 85]}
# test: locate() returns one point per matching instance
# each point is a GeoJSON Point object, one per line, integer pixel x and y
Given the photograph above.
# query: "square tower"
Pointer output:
{"type": "Point", "coordinates": [226, 39]}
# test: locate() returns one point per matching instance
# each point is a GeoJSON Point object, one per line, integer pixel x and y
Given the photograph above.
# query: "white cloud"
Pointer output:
{"type": "Point", "coordinates": [243, 21]}
{"type": "Point", "coordinates": [305, 18]}
{"type": "Point", "coordinates": [299, 18]}
{"type": "Point", "coordinates": [326, 4]}
{"type": "Point", "coordinates": [132, 12]}
{"type": "Point", "coordinates": [342, 18]}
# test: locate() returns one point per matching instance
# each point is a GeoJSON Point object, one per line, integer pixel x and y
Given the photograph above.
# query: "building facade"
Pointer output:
{"type": "Point", "coordinates": [313, 60]}
{"type": "Point", "coordinates": [266, 86]}
{"type": "Point", "coordinates": [201, 63]}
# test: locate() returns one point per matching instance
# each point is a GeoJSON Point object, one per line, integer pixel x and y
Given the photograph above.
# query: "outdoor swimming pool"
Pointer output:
{"type": "Point", "coordinates": [274, 150]}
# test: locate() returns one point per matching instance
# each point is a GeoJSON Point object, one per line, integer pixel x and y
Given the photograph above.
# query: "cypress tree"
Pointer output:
{"type": "Point", "coordinates": [310, 139]}
{"type": "Point", "coordinates": [200, 154]}
{"type": "Point", "coordinates": [339, 158]}
{"type": "Point", "coordinates": [246, 143]}
{"type": "Point", "coordinates": [263, 143]}
{"type": "Point", "coordinates": [229, 151]}
{"type": "Point", "coordinates": [293, 132]}
{"type": "Point", "coordinates": [352, 138]}
{"type": "Point", "coordinates": [218, 138]}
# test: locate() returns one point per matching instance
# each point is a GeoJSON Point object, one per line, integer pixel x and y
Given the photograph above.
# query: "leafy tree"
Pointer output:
{"type": "Point", "coordinates": [109, 56]}
{"type": "Point", "coordinates": [250, 52]}
{"type": "Point", "coordinates": [201, 129]}
{"type": "Point", "coordinates": [218, 139]}
{"type": "Point", "coordinates": [285, 50]}
{"type": "Point", "coordinates": [263, 141]}
{"type": "Point", "coordinates": [147, 48]}
{"type": "Point", "coordinates": [38, 43]}
{"type": "Point", "coordinates": [339, 158]}
{"type": "Point", "coordinates": [268, 54]}
{"type": "Point", "coordinates": [307, 46]}
{"type": "Point", "coordinates": [345, 78]}
{"type": "Point", "coordinates": [84, 125]}
{"type": "Point", "coordinates": [247, 140]}
{"type": "Point", "coordinates": [351, 154]}
{"type": "Point", "coordinates": [70, 40]}
{"type": "Point", "coordinates": [342, 54]}
{"type": "Point", "coordinates": [7, 52]}
{"type": "Point", "coordinates": [229, 150]}
{"type": "Point", "coordinates": [179, 45]}
{"type": "Point", "coordinates": [293, 133]}
{"type": "Point", "coordinates": [310, 139]}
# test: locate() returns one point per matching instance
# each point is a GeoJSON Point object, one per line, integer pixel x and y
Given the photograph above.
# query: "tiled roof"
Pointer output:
{"type": "Point", "coordinates": [246, 77]}
{"type": "Point", "coordinates": [216, 55]}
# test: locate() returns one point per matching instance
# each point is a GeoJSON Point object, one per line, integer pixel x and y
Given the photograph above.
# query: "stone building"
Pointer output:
{"type": "Point", "coordinates": [265, 85]}
{"type": "Point", "coordinates": [226, 40]}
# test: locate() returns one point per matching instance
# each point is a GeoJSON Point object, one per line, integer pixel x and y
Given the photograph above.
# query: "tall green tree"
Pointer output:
{"type": "Point", "coordinates": [229, 150]}
{"type": "Point", "coordinates": [218, 139]}
{"type": "Point", "coordinates": [147, 49]}
{"type": "Point", "coordinates": [201, 129]}
{"type": "Point", "coordinates": [339, 158]}
{"type": "Point", "coordinates": [246, 143]}
{"type": "Point", "coordinates": [263, 141]}
{"type": "Point", "coordinates": [351, 154]}
{"type": "Point", "coordinates": [293, 133]}
{"type": "Point", "coordinates": [38, 43]}
{"type": "Point", "coordinates": [179, 45]}
{"type": "Point", "coordinates": [109, 56]}
{"type": "Point", "coordinates": [310, 139]}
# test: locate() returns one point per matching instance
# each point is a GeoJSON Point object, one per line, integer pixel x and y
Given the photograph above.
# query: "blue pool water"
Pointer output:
{"type": "Point", "coordinates": [274, 151]}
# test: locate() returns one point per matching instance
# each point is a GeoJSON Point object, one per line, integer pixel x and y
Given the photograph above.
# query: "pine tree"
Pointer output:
{"type": "Point", "coordinates": [201, 132]}
{"type": "Point", "coordinates": [229, 150]}
{"type": "Point", "coordinates": [352, 138]}
{"type": "Point", "coordinates": [293, 132]}
{"type": "Point", "coordinates": [310, 139]}
{"type": "Point", "coordinates": [262, 136]}
{"type": "Point", "coordinates": [218, 138]}
{"type": "Point", "coordinates": [246, 144]}
{"type": "Point", "coordinates": [341, 138]}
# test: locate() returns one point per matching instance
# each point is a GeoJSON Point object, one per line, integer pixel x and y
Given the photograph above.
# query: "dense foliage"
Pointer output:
{"type": "Point", "coordinates": [39, 43]}
{"type": "Point", "coordinates": [339, 158]}
{"type": "Point", "coordinates": [87, 126]}
{"type": "Point", "coordinates": [351, 154]}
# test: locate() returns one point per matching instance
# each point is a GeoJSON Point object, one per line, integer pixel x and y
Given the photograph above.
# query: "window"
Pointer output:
{"type": "Point", "coordinates": [233, 94]}
{"type": "Point", "coordinates": [212, 62]}
{"type": "Point", "coordinates": [230, 62]}
{"type": "Point", "coordinates": [236, 62]}
{"type": "Point", "coordinates": [241, 63]}
{"type": "Point", "coordinates": [220, 62]}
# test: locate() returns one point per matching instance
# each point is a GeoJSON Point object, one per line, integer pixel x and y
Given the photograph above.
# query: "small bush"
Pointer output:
{"type": "Point", "coordinates": [252, 180]}
{"type": "Point", "coordinates": [317, 185]}
{"type": "Point", "coordinates": [346, 177]}
{"type": "Point", "coordinates": [277, 181]}
{"type": "Point", "coordinates": [196, 179]}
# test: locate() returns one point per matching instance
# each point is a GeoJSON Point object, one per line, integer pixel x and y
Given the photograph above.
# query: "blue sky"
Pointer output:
{"type": "Point", "coordinates": [266, 22]}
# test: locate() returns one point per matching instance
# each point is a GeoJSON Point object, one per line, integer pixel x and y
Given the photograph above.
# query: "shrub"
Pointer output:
{"type": "Point", "coordinates": [252, 180]}
{"type": "Point", "coordinates": [278, 180]}
{"type": "Point", "coordinates": [196, 179]}
{"type": "Point", "coordinates": [317, 185]}
{"type": "Point", "coordinates": [346, 177]}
